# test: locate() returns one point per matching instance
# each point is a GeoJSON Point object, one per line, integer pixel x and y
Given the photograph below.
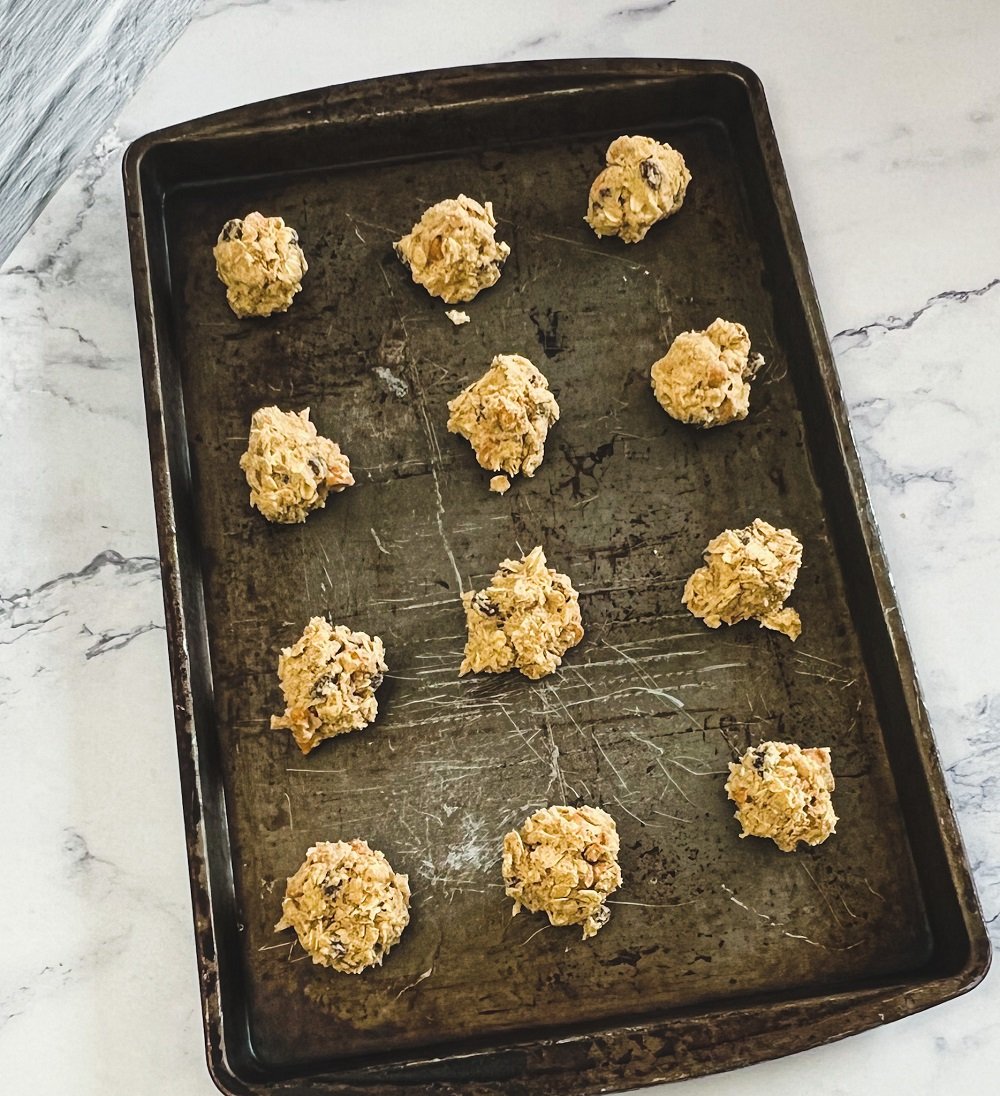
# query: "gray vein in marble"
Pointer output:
{"type": "Point", "coordinates": [81, 870]}
{"type": "Point", "coordinates": [23, 628]}
{"type": "Point", "coordinates": [114, 641]}
{"type": "Point", "coordinates": [77, 852]}
{"type": "Point", "coordinates": [975, 792]}
{"type": "Point", "coordinates": [112, 900]}
{"type": "Point", "coordinates": [974, 783]}
{"type": "Point", "coordinates": [15, 1002]}
{"type": "Point", "coordinates": [877, 468]}
{"type": "Point", "coordinates": [533, 43]}
{"type": "Point", "coordinates": [210, 8]}
{"type": "Point", "coordinates": [67, 608]}
{"type": "Point", "coordinates": [853, 337]}
{"type": "Point", "coordinates": [68, 69]}
{"type": "Point", "coordinates": [133, 565]}
{"type": "Point", "coordinates": [643, 11]}
{"type": "Point", "coordinates": [93, 167]}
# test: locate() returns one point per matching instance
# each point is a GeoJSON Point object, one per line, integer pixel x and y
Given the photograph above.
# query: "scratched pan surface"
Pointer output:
{"type": "Point", "coordinates": [719, 951]}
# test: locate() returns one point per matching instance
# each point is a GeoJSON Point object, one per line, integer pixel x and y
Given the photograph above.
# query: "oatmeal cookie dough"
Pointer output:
{"type": "Point", "coordinates": [328, 678]}
{"type": "Point", "coordinates": [506, 415]}
{"type": "Point", "coordinates": [452, 251]}
{"type": "Point", "coordinates": [291, 469]}
{"type": "Point", "coordinates": [526, 619]}
{"type": "Point", "coordinates": [644, 182]}
{"type": "Point", "coordinates": [564, 862]}
{"type": "Point", "coordinates": [783, 792]}
{"type": "Point", "coordinates": [748, 574]}
{"type": "Point", "coordinates": [347, 906]}
{"type": "Point", "coordinates": [704, 378]}
{"type": "Point", "coordinates": [261, 263]}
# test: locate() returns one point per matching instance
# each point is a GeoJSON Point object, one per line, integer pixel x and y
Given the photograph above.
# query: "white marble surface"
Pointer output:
{"type": "Point", "coordinates": [888, 117]}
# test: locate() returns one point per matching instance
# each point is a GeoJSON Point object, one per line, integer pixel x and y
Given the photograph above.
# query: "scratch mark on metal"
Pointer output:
{"type": "Point", "coordinates": [430, 434]}
{"type": "Point", "coordinates": [645, 741]}
{"type": "Point", "coordinates": [651, 905]}
{"type": "Point", "coordinates": [672, 817]}
{"type": "Point", "coordinates": [817, 944]}
{"type": "Point", "coordinates": [674, 782]}
{"type": "Point", "coordinates": [627, 811]}
{"type": "Point", "coordinates": [763, 916]}
{"type": "Point", "coordinates": [769, 920]}
{"type": "Point", "coordinates": [533, 935]}
{"type": "Point", "coordinates": [829, 904]}
{"type": "Point", "coordinates": [806, 654]}
{"type": "Point", "coordinates": [653, 687]}
{"type": "Point", "coordinates": [427, 973]}
{"type": "Point", "coordinates": [872, 889]}
{"type": "Point", "coordinates": [694, 772]}
{"type": "Point", "coordinates": [527, 742]}
{"type": "Point", "coordinates": [582, 247]}
{"type": "Point", "coordinates": [608, 760]}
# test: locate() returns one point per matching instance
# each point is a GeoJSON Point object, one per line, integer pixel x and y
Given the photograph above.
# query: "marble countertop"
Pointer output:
{"type": "Point", "coordinates": [889, 124]}
{"type": "Point", "coordinates": [68, 69]}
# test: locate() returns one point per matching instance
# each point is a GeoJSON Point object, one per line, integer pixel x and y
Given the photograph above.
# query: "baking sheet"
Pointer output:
{"type": "Point", "coordinates": [643, 715]}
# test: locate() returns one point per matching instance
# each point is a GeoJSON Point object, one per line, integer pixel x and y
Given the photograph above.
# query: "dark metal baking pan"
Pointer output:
{"type": "Point", "coordinates": [720, 951]}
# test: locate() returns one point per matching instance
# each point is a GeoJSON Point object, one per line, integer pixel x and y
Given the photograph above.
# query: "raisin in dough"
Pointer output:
{"type": "Point", "coordinates": [452, 251]}
{"type": "Point", "coordinates": [564, 862]}
{"type": "Point", "coordinates": [347, 906]}
{"type": "Point", "coordinates": [328, 678]}
{"type": "Point", "coordinates": [526, 619]}
{"type": "Point", "coordinates": [644, 182]}
{"type": "Point", "coordinates": [261, 263]}
{"type": "Point", "coordinates": [704, 378]}
{"type": "Point", "coordinates": [506, 415]}
{"type": "Point", "coordinates": [748, 574]}
{"type": "Point", "coordinates": [291, 469]}
{"type": "Point", "coordinates": [783, 792]}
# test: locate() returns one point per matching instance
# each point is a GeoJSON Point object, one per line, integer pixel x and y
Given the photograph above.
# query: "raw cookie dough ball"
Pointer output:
{"type": "Point", "coordinates": [783, 792]}
{"type": "Point", "coordinates": [289, 467]}
{"type": "Point", "coordinates": [643, 183]}
{"type": "Point", "coordinates": [564, 862]}
{"type": "Point", "coordinates": [526, 619]}
{"type": "Point", "coordinates": [452, 250]}
{"type": "Point", "coordinates": [506, 415]}
{"type": "Point", "coordinates": [347, 906]}
{"type": "Point", "coordinates": [329, 677]}
{"type": "Point", "coordinates": [260, 261]}
{"type": "Point", "coordinates": [704, 378]}
{"type": "Point", "coordinates": [748, 573]}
